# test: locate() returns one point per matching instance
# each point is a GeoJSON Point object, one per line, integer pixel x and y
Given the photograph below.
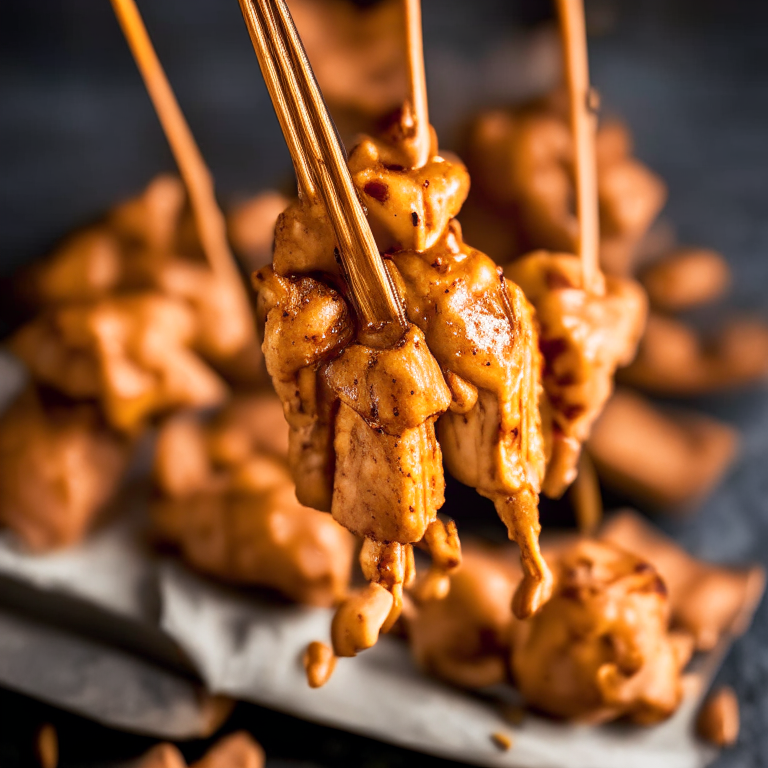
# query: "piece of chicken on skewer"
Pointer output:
{"type": "Point", "coordinates": [585, 337]}
{"type": "Point", "coordinates": [481, 329]}
{"type": "Point", "coordinates": [589, 324]}
{"type": "Point", "coordinates": [360, 389]}
{"type": "Point", "coordinates": [477, 324]}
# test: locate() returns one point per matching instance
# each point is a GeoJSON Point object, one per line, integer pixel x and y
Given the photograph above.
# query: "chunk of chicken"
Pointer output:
{"type": "Point", "coordinates": [306, 323]}
{"type": "Point", "coordinates": [304, 241]}
{"type": "Point", "coordinates": [59, 465]}
{"type": "Point", "coordinates": [707, 600]}
{"type": "Point", "coordinates": [232, 511]}
{"type": "Point", "coordinates": [132, 353]}
{"type": "Point", "coordinates": [584, 338]}
{"type": "Point", "coordinates": [384, 432]}
{"type": "Point", "coordinates": [408, 208]}
{"type": "Point", "coordinates": [521, 162]}
{"type": "Point", "coordinates": [601, 647]}
{"type": "Point", "coordinates": [480, 328]}
{"type": "Point", "coordinates": [148, 244]}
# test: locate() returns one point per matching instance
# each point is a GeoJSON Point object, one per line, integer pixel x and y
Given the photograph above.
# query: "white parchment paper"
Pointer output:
{"type": "Point", "coordinates": [250, 648]}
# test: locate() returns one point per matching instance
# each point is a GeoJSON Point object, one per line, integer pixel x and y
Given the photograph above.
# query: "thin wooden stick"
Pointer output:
{"type": "Point", "coordinates": [586, 498]}
{"type": "Point", "coordinates": [277, 92]}
{"type": "Point", "coordinates": [583, 126]}
{"type": "Point", "coordinates": [369, 282]}
{"type": "Point", "coordinates": [417, 80]}
{"type": "Point", "coordinates": [376, 301]}
{"type": "Point", "coordinates": [209, 219]}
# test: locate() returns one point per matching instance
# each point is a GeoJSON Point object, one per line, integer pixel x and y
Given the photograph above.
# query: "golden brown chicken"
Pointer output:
{"type": "Point", "coordinates": [609, 644]}
{"type": "Point", "coordinates": [306, 323]}
{"type": "Point", "coordinates": [585, 336]}
{"type": "Point", "coordinates": [521, 162]}
{"type": "Point", "coordinates": [132, 354]}
{"type": "Point", "coordinates": [601, 647]}
{"type": "Point", "coordinates": [708, 601]}
{"type": "Point", "coordinates": [465, 637]}
{"type": "Point", "coordinates": [356, 411]}
{"type": "Point", "coordinates": [409, 208]}
{"type": "Point", "coordinates": [465, 317]}
{"type": "Point", "coordinates": [231, 508]}
{"type": "Point", "coordinates": [480, 328]}
{"type": "Point", "coordinates": [59, 465]}
{"type": "Point", "coordinates": [149, 244]}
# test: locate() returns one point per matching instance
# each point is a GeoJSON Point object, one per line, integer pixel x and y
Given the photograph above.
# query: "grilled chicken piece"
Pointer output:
{"type": "Point", "coordinates": [708, 600]}
{"type": "Point", "coordinates": [304, 241]}
{"type": "Point", "coordinates": [408, 208]}
{"type": "Point", "coordinates": [150, 244]}
{"type": "Point", "coordinates": [480, 328]}
{"type": "Point", "coordinates": [605, 633]}
{"type": "Point", "coordinates": [305, 323]}
{"type": "Point", "coordinates": [583, 338]}
{"type": "Point", "coordinates": [132, 353]}
{"type": "Point", "coordinates": [59, 465]}
{"type": "Point", "coordinates": [231, 508]}
{"type": "Point", "coordinates": [384, 432]}
{"type": "Point", "coordinates": [356, 411]}
{"type": "Point", "coordinates": [521, 162]}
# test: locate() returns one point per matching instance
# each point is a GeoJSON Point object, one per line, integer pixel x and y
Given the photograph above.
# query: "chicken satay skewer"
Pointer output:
{"type": "Point", "coordinates": [583, 119]}
{"type": "Point", "coordinates": [440, 540]}
{"type": "Point", "coordinates": [314, 136]}
{"type": "Point", "coordinates": [409, 474]}
{"type": "Point", "coordinates": [209, 219]}
{"type": "Point", "coordinates": [417, 83]}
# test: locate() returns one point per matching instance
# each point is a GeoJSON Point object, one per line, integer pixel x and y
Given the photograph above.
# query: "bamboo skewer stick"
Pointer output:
{"type": "Point", "coordinates": [583, 127]}
{"type": "Point", "coordinates": [586, 498]}
{"type": "Point", "coordinates": [209, 219]}
{"type": "Point", "coordinates": [277, 42]}
{"type": "Point", "coordinates": [368, 279]}
{"type": "Point", "coordinates": [417, 81]}
{"type": "Point", "coordinates": [277, 92]}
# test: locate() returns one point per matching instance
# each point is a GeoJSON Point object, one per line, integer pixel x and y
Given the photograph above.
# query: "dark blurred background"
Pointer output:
{"type": "Point", "coordinates": [77, 134]}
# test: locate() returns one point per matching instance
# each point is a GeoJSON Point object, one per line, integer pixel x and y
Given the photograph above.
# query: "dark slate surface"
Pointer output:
{"type": "Point", "coordinates": [691, 76]}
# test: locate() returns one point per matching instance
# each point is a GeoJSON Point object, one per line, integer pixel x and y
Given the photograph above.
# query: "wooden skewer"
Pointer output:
{"type": "Point", "coordinates": [209, 219]}
{"type": "Point", "coordinates": [586, 498]}
{"type": "Point", "coordinates": [583, 126]}
{"type": "Point", "coordinates": [288, 125]}
{"type": "Point", "coordinates": [417, 81]}
{"type": "Point", "coordinates": [276, 40]}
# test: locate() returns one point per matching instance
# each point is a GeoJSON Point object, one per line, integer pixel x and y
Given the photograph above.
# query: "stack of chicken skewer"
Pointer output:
{"type": "Point", "coordinates": [456, 347]}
